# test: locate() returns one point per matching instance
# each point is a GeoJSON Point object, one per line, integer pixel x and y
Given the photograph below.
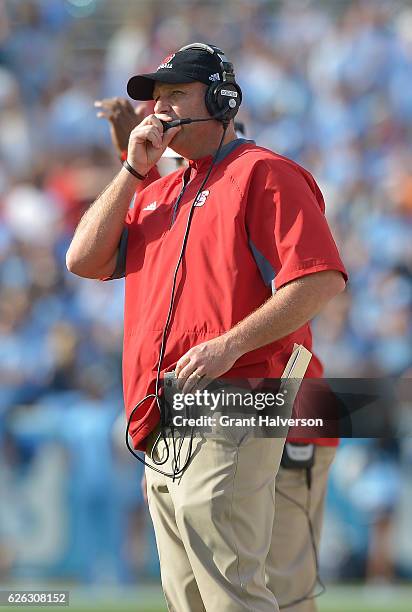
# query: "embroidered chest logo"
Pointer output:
{"type": "Point", "coordinates": [166, 63]}
{"type": "Point", "coordinates": [202, 197]}
{"type": "Point", "coordinates": [151, 206]}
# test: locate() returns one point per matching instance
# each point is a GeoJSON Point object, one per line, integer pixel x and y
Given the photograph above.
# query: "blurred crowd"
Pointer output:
{"type": "Point", "coordinates": [327, 84]}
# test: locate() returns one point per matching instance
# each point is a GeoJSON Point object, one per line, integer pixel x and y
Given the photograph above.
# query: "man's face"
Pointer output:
{"type": "Point", "coordinates": [184, 100]}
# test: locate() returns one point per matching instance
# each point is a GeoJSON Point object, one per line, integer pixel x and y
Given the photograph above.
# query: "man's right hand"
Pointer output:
{"type": "Point", "coordinates": [147, 142]}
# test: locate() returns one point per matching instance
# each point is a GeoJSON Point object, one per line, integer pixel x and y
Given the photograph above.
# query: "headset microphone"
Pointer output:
{"type": "Point", "coordinates": [171, 124]}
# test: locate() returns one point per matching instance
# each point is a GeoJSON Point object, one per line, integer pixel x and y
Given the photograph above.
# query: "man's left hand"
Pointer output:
{"type": "Point", "coordinates": [204, 362]}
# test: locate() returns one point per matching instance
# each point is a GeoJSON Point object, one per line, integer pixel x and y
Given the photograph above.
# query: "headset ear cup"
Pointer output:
{"type": "Point", "coordinates": [210, 100]}
{"type": "Point", "coordinates": [220, 96]}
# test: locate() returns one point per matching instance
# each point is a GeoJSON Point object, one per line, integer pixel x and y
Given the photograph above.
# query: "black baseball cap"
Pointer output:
{"type": "Point", "coordinates": [184, 66]}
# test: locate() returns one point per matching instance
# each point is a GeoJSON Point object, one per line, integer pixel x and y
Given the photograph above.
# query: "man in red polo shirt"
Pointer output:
{"type": "Point", "coordinates": [259, 263]}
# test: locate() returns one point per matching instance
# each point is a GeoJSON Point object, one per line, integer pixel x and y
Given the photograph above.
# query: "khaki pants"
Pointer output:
{"type": "Point", "coordinates": [290, 566]}
{"type": "Point", "coordinates": [213, 525]}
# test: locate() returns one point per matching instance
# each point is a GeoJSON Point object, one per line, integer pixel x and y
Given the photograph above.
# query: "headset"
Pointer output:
{"type": "Point", "coordinates": [222, 98]}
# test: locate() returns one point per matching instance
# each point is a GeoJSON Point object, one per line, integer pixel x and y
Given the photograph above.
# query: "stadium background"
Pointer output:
{"type": "Point", "coordinates": [325, 83]}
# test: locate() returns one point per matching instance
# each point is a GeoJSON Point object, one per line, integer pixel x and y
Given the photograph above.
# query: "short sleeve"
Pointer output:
{"type": "Point", "coordinates": [120, 269]}
{"type": "Point", "coordinates": [287, 229]}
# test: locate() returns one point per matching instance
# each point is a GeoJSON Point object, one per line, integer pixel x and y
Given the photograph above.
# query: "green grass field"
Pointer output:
{"type": "Point", "coordinates": [150, 599]}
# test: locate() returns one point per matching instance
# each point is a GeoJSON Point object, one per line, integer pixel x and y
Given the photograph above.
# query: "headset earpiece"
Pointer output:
{"type": "Point", "coordinates": [221, 96]}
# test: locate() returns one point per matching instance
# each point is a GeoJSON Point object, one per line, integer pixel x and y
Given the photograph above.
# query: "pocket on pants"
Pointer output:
{"type": "Point", "coordinates": [235, 434]}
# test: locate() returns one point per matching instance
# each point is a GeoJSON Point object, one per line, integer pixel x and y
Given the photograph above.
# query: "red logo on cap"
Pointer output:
{"type": "Point", "coordinates": [168, 58]}
{"type": "Point", "coordinates": [166, 62]}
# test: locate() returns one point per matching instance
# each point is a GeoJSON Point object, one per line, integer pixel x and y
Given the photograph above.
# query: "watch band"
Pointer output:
{"type": "Point", "coordinates": [128, 167]}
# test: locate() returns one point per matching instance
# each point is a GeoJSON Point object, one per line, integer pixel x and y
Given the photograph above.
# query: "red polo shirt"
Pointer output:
{"type": "Point", "coordinates": [259, 224]}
